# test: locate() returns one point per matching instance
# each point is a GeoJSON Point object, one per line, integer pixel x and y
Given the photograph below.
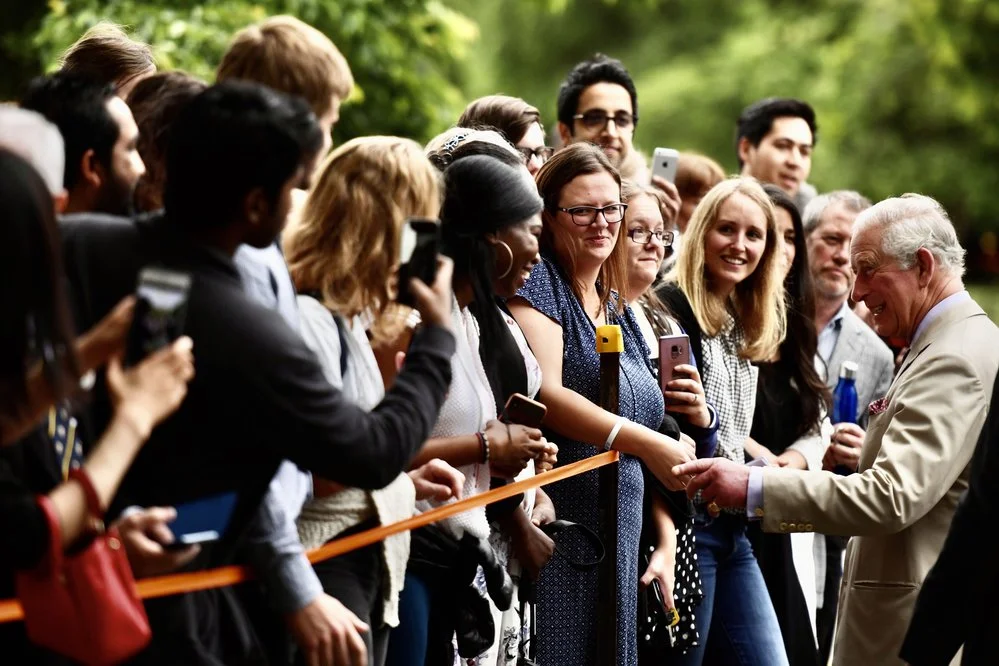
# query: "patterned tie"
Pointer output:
{"type": "Point", "coordinates": [61, 428]}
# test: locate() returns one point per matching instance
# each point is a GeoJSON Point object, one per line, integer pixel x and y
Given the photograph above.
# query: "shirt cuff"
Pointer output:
{"type": "Point", "coordinates": [292, 583]}
{"type": "Point", "coordinates": [754, 493]}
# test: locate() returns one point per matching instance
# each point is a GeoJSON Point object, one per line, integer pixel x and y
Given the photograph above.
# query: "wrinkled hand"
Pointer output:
{"type": "Point", "coordinates": [664, 456]}
{"type": "Point", "coordinates": [662, 567]}
{"type": "Point", "coordinates": [671, 207]}
{"type": "Point", "coordinates": [144, 534]}
{"type": "Point", "coordinates": [107, 338]}
{"type": "Point", "coordinates": [845, 446]}
{"type": "Point", "coordinates": [686, 396]}
{"type": "Point", "coordinates": [434, 304]}
{"type": "Point", "coordinates": [719, 480]}
{"type": "Point", "coordinates": [149, 392]}
{"type": "Point", "coordinates": [512, 446]}
{"type": "Point", "coordinates": [437, 480]}
{"type": "Point", "coordinates": [329, 634]}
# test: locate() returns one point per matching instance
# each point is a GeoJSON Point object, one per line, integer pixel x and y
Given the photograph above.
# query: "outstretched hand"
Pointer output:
{"type": "Point", "coordinates": [720, 481]}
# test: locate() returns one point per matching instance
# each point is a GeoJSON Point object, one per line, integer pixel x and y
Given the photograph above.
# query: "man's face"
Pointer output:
{"type": "Point", "coordinates": [829, 253]}
{"type": "Point", "coordinates": [891, 293]}
{"type": "Point", "coordinates": [784, 156]}
{"type": "Point", "coordinates": [600, 104]}
{"type": "Point", "coordinates": [117, 189]}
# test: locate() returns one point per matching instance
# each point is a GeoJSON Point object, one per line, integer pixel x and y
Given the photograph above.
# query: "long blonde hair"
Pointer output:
{"type": "Point", "coordinates": [757, 303]}
{"type": "Point", "coordinates": [347, 246]}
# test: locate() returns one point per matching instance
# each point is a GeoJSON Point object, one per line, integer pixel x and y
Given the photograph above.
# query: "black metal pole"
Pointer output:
{"type": "Point", "coordinates": [609, 346]}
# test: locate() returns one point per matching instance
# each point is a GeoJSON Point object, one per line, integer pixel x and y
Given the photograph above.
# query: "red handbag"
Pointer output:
{"type": "Point", "coordinates": [84, 606]}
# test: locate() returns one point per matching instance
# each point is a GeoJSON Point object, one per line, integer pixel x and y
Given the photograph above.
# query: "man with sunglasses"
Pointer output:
{"type": "Point", "coordinates": [598, 103]}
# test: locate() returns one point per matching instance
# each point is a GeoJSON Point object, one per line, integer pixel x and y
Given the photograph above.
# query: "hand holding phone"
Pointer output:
{"type": "Point", "coordinates": [522, 410]}
{"type": "Point", "coordinates": [674, 350]}
{"type": "Point", "coordinates": [418, 250]}
{"type": "Point", "coordinates": [664, 163]}
{"type": "Point", "coordinates": [202, 520]}
{"type": "Point", "coordinates": [160, 310]}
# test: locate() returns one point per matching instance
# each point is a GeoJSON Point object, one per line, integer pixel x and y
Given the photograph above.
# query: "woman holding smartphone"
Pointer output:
{"type": "Point", "coordinates": [573, 290]}
{"type": "Point", "coordinates": [726, 291]}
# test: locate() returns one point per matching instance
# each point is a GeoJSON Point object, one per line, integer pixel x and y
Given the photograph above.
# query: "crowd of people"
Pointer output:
{"type": "Point", "coordinates": [299, 383]}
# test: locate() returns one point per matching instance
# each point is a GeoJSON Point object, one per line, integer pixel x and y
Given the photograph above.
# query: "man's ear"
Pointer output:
{"type": "Point", "coordinates": [256, 207]}
{"type": "Point", "coordinates": [744, 149]}
{"type": "Point", "coordinates": [565, 133]}
{"type": "Point", "coordinates": [927, 265]}
{"type": "Point", "coordinates": [92, 172]}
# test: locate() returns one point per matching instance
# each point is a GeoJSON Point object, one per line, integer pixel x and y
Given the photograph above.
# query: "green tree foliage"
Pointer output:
{"type": "Point", "coordinates": [907, 91]}
{"type": "Point", "coordinates": [405, 54]}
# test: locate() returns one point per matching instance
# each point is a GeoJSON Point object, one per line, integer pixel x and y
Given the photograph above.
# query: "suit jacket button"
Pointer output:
{"type": "Point", "coordinates": [792, 527]}
{"type": "Point", "coordinates": [809, 527]}
{"type": "Point", "coordinates": [783, 527]}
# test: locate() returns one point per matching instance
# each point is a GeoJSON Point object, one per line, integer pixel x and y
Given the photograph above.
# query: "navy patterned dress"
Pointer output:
{"type": "Point", "coordinates": [567, 598]}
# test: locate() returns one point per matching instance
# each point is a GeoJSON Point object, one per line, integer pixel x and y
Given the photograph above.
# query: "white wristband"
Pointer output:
{"type": "Point", "coordinates": [613, 433]}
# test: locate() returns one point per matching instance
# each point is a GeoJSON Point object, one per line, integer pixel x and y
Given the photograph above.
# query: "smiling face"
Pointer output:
{"type": "Point", "coordinates": [734, 244]}
{"type": "Point", "coordinates": [609, 99]}
{"type": "Point", "coordinates": [522, 239]}
{"type": "Point", "coordinates": [889, 291]}
{"type": "Point", "coordinates": [785, 237]}
{"type": "Point", "coordinates": [591, 245]}
{"type": "Point", "coordinates": [829, 253]}
{"type": "Point", "coordinates": [534, 140]}
{"type": "Point", "coordinates": [644, 259]}
{"type": "Point", "coordinates": [783, 157]}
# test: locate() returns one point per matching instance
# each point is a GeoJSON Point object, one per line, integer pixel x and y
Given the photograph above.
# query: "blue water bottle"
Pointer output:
{"type": "Point", "coordinates": [845, 402]}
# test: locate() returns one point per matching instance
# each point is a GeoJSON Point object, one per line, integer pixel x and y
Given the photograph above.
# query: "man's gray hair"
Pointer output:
{"type": "Point", "coordinates": [910, 222]}
{"type": "Point", "coordinates": [37, 141]}
{"type": "Point", "coordinates": [855, 202]}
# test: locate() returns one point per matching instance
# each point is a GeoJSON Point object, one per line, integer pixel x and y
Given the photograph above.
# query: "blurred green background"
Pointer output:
{"type": "Point", "coordinates": [907, 91]}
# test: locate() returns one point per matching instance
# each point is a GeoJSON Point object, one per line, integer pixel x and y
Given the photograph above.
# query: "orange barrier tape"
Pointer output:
{"type": "Point", "coordinates": [161, 586]}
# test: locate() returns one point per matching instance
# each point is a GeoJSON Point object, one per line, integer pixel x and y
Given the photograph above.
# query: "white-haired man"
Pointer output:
{"type": "Point", "coordinates": [919, 441]}
{"type": "Point", "coordinates": [30, 135]}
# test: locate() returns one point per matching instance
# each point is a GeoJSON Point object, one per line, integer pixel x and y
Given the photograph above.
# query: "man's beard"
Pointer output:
{"type": "Point", "coordinates": [117, 198]}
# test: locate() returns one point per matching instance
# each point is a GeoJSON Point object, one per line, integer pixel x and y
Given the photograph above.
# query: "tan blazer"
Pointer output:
{"type": "Point", "coordinates": [913, 468]}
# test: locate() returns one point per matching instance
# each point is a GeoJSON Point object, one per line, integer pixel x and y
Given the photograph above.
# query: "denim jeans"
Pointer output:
{"type": "Point", "coordinates": [736, 620]}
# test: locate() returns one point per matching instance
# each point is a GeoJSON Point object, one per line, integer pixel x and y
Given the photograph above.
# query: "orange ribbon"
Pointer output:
{"type": "Point", "coordinates": [161, 586]}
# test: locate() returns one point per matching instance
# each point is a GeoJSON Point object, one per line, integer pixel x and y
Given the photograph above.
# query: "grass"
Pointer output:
{"type": "Point", "coordinates": [987, 295]}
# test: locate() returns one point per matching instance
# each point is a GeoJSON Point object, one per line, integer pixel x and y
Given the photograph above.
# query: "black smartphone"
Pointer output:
{"type": "Point", "coordinates": [160, 310]}
{"type": "Point", "coordinates": [202, 521]}
{"type": "Point", "coordinates": [418, 250]}
{"type": "Point", "coordinates": [674, 350]}
{"type": "Point", "coordinates": [523, 411]}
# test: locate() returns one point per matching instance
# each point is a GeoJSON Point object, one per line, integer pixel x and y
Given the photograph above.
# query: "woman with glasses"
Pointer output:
{"type": "Point", "coordinates": [573, 290]}
{"type": "Point", "coordinates": [516, 120]}
{"type": "Point", "coordinates": [726, 291]}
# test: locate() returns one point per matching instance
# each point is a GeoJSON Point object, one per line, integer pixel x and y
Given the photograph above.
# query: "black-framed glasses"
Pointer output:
{"type": "Point", "coordinates": [597, 119]}
{"type": "Point", "coordinates": [584, 216]}
{"type": "Point", "coordinates": [643, 236]}
{"type": "Point", "coordinates": [543, 153]}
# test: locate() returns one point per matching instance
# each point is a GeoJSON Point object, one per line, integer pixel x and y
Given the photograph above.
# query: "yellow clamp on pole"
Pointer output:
{"type": "Point", "coordinates": [609, 339]}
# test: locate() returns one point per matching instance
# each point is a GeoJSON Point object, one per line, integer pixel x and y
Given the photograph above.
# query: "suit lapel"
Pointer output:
{"type": "Point", "coordinates": [951, 316]}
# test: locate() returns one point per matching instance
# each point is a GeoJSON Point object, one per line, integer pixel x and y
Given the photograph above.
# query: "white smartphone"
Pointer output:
{"type": "Point", "coordinates": [664, 163]}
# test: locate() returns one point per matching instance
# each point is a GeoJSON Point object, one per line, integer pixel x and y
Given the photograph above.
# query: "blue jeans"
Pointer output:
{"type": "Point", "coordinates": [736, 620]}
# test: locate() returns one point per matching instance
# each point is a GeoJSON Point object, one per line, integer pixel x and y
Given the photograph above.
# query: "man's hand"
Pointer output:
{"type": "Point", "coordinates": [144, 534]}
{"type": "Point", "coordinates": [328, 634]}
{"type": "Point", "coordinates": [844, 448]}
{"type": "Point", "coordinates": [434, 303]}
{"type": "Point", "coordinates": [721, 481]}
{"type": "Point", "coordinates": [437, 480]}
{"type": "Point", "coordinates": [671, 208]}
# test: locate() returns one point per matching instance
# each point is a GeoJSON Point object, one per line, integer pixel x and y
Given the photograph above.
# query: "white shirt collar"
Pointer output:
{"type": "Point", "coordinates": [938, 309]}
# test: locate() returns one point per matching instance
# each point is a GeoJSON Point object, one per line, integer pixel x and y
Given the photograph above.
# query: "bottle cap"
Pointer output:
{"type": "Point", "coordinates": [609, 339]}
{"type": "Point", "coordinates": [848, 370]}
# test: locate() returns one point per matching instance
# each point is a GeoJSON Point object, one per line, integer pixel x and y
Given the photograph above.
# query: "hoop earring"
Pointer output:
{"type": "Point", "coordinates": [510, 252]}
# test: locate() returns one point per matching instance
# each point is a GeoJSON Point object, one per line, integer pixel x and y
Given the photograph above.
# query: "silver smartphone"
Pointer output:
{"type": "Point", "coordinates": [664, 163]}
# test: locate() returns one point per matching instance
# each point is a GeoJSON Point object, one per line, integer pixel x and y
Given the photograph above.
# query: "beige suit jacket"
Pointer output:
{"type": "Point", "coordinates": [914, 466]}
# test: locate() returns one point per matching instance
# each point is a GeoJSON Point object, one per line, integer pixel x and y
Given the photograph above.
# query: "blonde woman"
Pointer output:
{"type": "Point", "coordinates": [343, 259]}
{"type": "Point", "coordinates": [727, 293]}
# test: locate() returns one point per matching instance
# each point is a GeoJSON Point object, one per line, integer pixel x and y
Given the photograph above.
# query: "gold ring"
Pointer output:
{"type": "Point", "coordinates": [713, 508]}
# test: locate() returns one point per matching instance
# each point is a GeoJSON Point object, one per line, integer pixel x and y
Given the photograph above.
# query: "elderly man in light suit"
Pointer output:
{"type": "Point", "coordinates": [920, 438]}
{"type": "Point", "coordinates": [842, 336]}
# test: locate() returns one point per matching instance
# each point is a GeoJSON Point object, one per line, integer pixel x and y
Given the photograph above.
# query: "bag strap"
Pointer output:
{"type": "Point", "coordinates": [553, 529]}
